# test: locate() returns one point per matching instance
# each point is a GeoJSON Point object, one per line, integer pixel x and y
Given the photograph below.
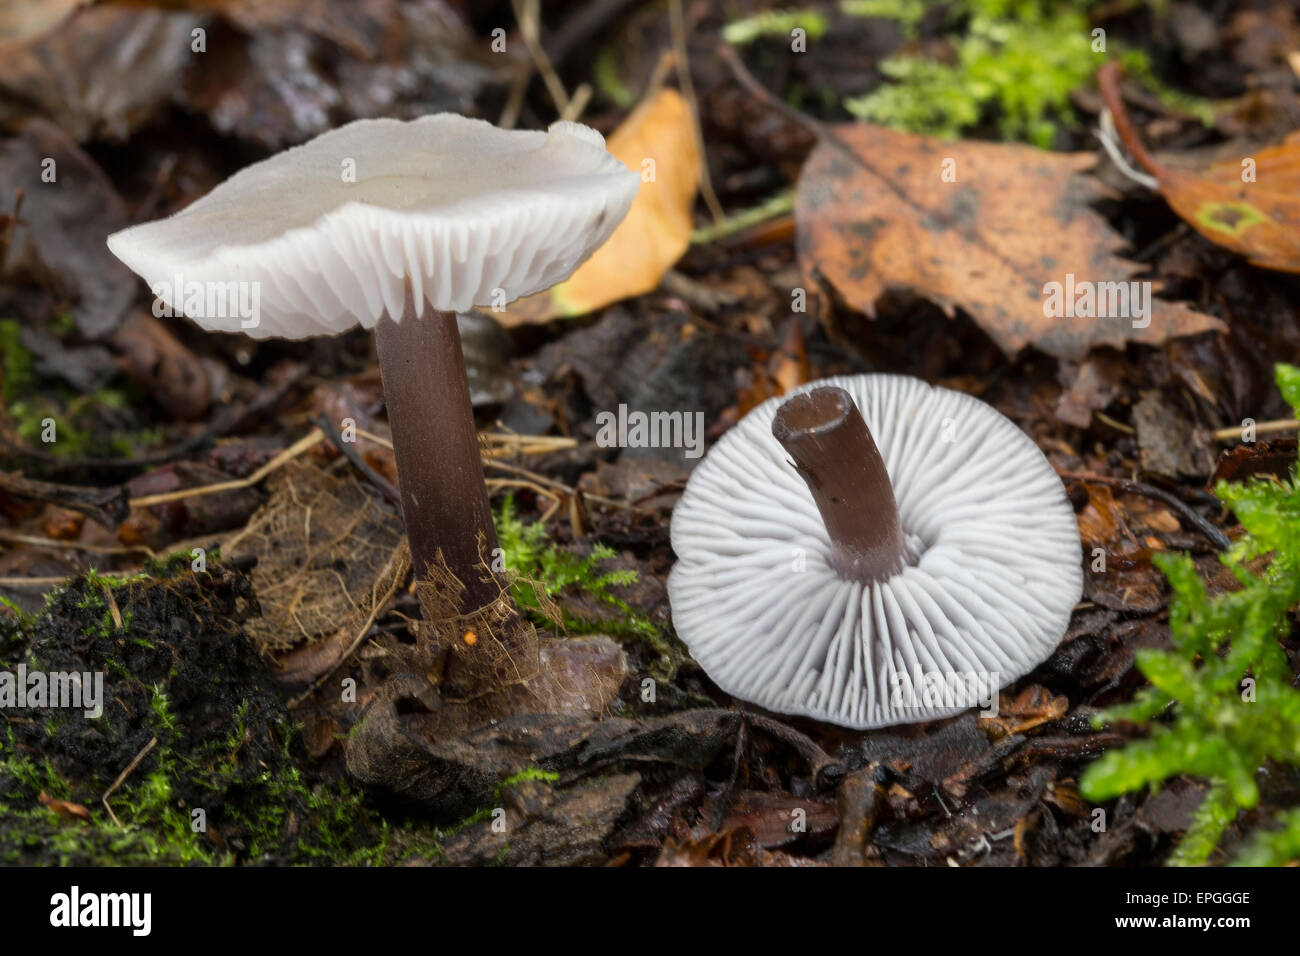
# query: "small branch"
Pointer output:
{"type": "Point", "coordinates": [1233, 432]}
{"type": "Point", "coordinates": [308, 441]}
{"type": "Point", "coordinates": [1108, 78]}
{"type": "Point", "coordinates": [348, 450]}
{"type": "Point", "coordinates": [677, 25]}
{"type": "Point", "coordinates": [121, 778]}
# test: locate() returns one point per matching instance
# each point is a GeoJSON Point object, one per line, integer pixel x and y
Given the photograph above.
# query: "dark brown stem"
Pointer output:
{"type": "Point", "coordinates": [824, 432]}
{"type": "Point", "coordinates": [1108, 78]}
{"type": "Point", "coordinates": [439, 471]}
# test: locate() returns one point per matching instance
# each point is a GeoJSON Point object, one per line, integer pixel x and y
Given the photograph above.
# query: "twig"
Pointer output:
{"type": "Point", "coordinates": [528, 15]}
{"type": "Point", "coordinates": [1108, 138]}
{"type": "Point", "coordinates": [349, 451]}
{"type": "Point", "coordinates": [121, 778]}
{"type": "Point", "coordinates": [677, 25]}
{"type": "Point", "coordinates": [1216, 535]}
{"type": "Point", "coordinates": [552, 483]}
{"type": "Point", "coordinates": [307, 442]}
{"type": "Point", "coordinates": [779, 205]}
{"type": "Point", "coordinates": [19, 583]}
{"type": "Point", "coordinates": [1108, 78]}
{"type": "Point", "coordinates": [37, 541]}
{"type": "Point", "coordinates": [112, 605]}
{"type": "Point", "coordinates": [577, 103]}
{"type": "Point", "coordinates": [508, 443]}
{"type": "Point", "coordinates": [1233, 432]}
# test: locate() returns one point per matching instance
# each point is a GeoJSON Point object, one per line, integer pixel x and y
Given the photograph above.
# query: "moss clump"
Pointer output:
{"type": "Point", "coordinates": [218, 777]}
{"type": "Point", "coordinates": [1226, 689]}
{"type": "Point", "coordinates": [543, 571]}
{"type": "Point", "coordinates": [1018, 58]}
{"type": "Point", "coordinates": [775, 23]}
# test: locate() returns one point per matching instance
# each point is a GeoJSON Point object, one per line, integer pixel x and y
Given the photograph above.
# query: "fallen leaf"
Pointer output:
{"type": "Point", "coordinates": [102, 72]}
{"type": "Point", "coordinates": [330, 556]}
{"type": "Point", "coordinates": [1168, 439]}
{"type": "Point", "coordinates": [1127, 581]}
{"type": "Point", "coordinates": [1255, 460]}
{"type": "Point", "coordinates": [21, 19]}
{"type": "Point", "coordinates": [657, 229]}
{"type": "Point", "coordinates": [873, 213]}
{"type": "Point", "coordinates": [1033, 706]}
{"type": "Point", "coordinates": [1251, 205]}
{"type": "Point", "coordinates": [63, 808]}
{"type": "Point", "coordinates": [57, 258]}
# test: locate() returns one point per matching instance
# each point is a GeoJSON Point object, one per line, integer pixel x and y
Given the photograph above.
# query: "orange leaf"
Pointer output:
{"type": "Point", "coordinates": [658, 140]}
{"type": "Point", "coordinates": [1252, 208]}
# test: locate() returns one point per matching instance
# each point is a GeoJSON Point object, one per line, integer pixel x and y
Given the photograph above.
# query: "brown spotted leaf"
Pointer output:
{"type": "Point", "coordinates": [1250, 205]}
{"type": "Point", "coordinates": [874, 213]}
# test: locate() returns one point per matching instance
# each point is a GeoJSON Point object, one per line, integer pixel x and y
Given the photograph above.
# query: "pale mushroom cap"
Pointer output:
{"type": "Point", "coordinates": [994, 566]}
{"type": "Point", "coordinates": [468, 213]}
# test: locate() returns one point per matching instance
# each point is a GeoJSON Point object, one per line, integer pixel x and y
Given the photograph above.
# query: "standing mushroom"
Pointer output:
{"type": "Point", "coordinates": [857, 551]}
{"type": "Point", "coordinates": [396, 226]}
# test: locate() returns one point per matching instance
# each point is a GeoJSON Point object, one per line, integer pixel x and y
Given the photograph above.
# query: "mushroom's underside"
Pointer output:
{"type": "Point", "coordinates": [992, 565]}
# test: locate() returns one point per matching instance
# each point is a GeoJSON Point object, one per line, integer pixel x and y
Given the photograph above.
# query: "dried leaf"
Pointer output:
{"type": "Point", "coordinates": [329, 555]}
{"type": "Point", "coordinates": [873, 213]}
{"type": "Point", "coordinates": [57, 254]}
{"type": "Point", "coordinates": [63, 808]}
{"type": "Point", "coordinates": [1251, 205]}
{"type": "Point", "coordinates": [657, 229]}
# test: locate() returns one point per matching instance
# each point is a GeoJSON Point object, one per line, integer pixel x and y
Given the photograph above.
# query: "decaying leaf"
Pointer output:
{"type": "Point", "coordinates": [657, 140]}
{"type": "Point", "coordinates": [20, 19]}
{"type": "Point", "coordinates": [64, 808]}
{"type": "Point", "coordinates": [1251, 205]}
{"type": "Point", "coordinates": [874, 212]}
{"type": "Point", "coordinates": [329, 556]}
{"type": "Point", "coordinates": [102, 72]}
{"type": "Point", "coordinates": [1119, 573]}
{"type": "Point", "coordinates": [56, 258]}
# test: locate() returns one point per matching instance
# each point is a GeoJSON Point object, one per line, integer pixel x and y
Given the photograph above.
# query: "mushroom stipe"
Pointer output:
{"type": "Point", "coordinates": [791, 590]}
{"type": "Point", "coordinates": [396, 226]}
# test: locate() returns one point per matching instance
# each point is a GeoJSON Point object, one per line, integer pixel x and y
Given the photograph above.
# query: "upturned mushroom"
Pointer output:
{"type": "Point", "coordinates": [871, 551]}
{"type": "Point", "coordinates": [396, 226]}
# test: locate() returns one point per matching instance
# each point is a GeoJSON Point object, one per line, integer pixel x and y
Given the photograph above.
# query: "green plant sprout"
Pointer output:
{"type": "Point", "coordinates": [1221, 705]}
{"type": "Point", "coordinates": [908, 13]}
{"type": "Point", "coordinates": [1017, 61]}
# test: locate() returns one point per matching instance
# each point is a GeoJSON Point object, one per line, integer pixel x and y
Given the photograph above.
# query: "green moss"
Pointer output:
{"type": "Point", "coordinates": [1280, 847]}
{"type": "Point", "coordinates": [544, 571]}
{"type": "Point", "coordinates": [188, 706]}
{"type": "Point", "coordinates": [1227, 685]}
{"type": "Point", "coordinates": [1018, 60]}
{"type": "Point", "coordinates": [780, 23]}
{"type": "Point", "coordinates": [908, 13]}
{"type": "Point", "coordinates": [1015, 63]}
{"type": "Point", "coordinates": [15, 362]}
